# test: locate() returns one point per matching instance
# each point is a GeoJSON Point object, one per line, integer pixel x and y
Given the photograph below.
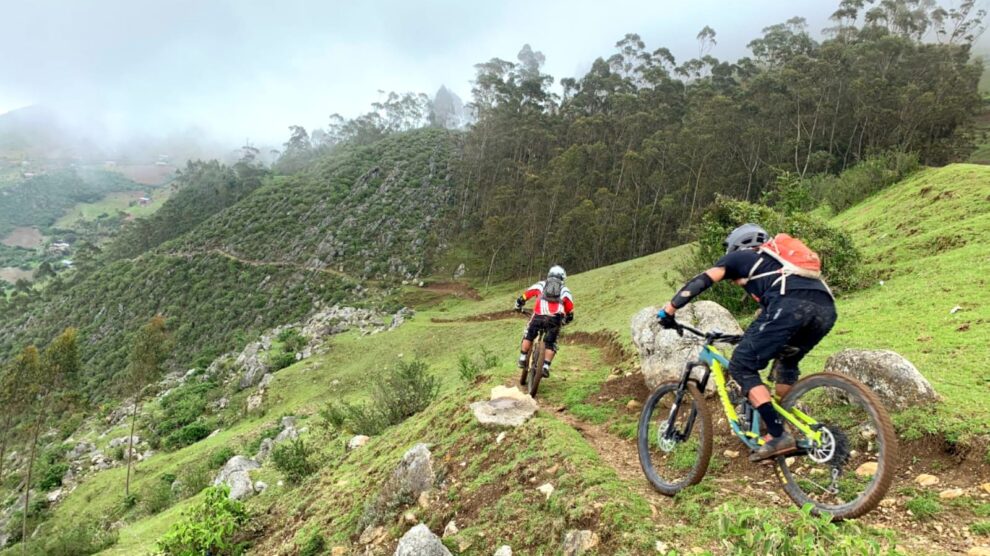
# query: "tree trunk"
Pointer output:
{"type": "Point", "coordinates": [130, 451]}
{"type": "Point", "coordinates": [27, 486]}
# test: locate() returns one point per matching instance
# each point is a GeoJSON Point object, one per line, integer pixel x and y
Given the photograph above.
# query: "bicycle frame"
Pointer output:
{"type": "Point", "coordinates": [715, 365]}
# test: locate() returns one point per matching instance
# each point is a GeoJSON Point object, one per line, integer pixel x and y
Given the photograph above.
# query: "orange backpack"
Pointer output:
{"type": "Point", "coordinates": [794, 257]}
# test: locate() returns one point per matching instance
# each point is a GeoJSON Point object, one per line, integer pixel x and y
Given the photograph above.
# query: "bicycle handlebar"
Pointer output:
{"type": "Point", "coordinates": [713, 336]}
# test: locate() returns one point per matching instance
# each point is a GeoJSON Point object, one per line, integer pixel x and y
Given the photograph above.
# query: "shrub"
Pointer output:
{"type": "Point", "coordinates": [864, 179]}
{"type": "Point", "coordinates": [981, 528]}
{"type": "Point", "coordinates": [403, 392]}
{"type": "Point", "coordinates": [292, 459]}
{"type": "Point", "coordinates": [218, 458]}
{"type": "Point", "coordinates": [212, 527]}
{"type": "Point", "coordinates": [157, 496]}
{"type": "Point", "coordinates": [279, 360]}
{"type": "Point", "coordinates": [194, 479]}
{"type": "Point", "coordinates": [467, 368]}
{"type": "Point", "coordinates": [840, 258]}
{"type": "Point", "coordinates": [292, 340]}
{"type": "Point", "coordinates": [189, 434]}
{"type": "Point", "coordinates": [75, 539]}
{"type": "Point", "coordinates": [129, 501]}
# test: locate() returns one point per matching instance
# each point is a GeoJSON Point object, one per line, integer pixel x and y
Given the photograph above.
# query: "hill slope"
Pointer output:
{"type": "Point", "coordinates": [922, 237]}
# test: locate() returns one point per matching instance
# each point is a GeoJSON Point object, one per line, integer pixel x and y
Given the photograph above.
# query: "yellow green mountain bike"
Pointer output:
{"type": "Point", "coordinates": [847, 449]}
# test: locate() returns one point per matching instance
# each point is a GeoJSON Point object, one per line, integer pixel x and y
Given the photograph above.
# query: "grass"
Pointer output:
{"type": "Point", "coordinates": [111, 203]}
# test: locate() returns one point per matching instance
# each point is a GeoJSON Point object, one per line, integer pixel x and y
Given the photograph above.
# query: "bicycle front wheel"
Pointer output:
{"type": "Point", "coordinates": [536, 368]}
{"type": "Point", "coordinates": [675, 437]}
{"type": "Point", "coordinates": [848, 473]}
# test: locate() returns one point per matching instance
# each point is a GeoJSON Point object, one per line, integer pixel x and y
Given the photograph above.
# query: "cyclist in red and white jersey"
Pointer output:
{"type": "Point", "coordinates": [554, 307]}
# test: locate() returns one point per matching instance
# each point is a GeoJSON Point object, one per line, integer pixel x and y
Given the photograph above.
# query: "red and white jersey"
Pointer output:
{"type": "Point", "coordinates": [544, 307]}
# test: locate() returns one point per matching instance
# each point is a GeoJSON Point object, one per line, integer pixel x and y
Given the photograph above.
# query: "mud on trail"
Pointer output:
{"type": "Point", "coordinates": [944, 533]}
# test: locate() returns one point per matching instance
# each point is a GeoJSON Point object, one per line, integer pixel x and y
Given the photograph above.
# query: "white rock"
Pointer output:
{"type": "Point", "coordinates": [504, 550]}
{"type": "Point", "coordinates": [579, 542]}
{"type": "Point", "coordinates": [357, 441]}
{"type": "Point", "coordinates": [891, 377]}
{"type": "Point", "coordinates": [546, 489]}
{"type": "Point", "coordinates": [663, 353]}
{"type": "Point", "coordinates": [504, 412]}
{"type": "Point", "coordinates": [420, 541]}
{"type": "Point", "coordinates": [260, 486]}
{"type": "Point", "coordinates": [236, 475]}
{"type": "Point", "coordinates": [500, 438]}
{"type": "Point", "coordinates": [451, 529]}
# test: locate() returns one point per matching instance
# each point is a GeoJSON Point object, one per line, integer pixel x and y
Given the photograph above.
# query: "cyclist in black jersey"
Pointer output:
{"type": "Point", "coordinates": [792, 321]}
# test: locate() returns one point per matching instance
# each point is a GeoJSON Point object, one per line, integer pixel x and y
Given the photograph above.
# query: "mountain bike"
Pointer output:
{"type": "Point", "coordinates": [847, 449]}
{"type": "Point", "coordinates": [532, 371]}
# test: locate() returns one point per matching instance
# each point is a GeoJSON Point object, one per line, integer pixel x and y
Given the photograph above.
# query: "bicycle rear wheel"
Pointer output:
{"type": "Point", "coordinates": [849, 473]}
{"type": "Point", "coordinates": [536, 367]}
{"type": "Point", "coordinates": [675, 459]}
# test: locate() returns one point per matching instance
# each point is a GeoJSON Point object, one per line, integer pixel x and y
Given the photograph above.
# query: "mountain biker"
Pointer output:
{"type": "Point", "coordinates": [554, 308]}
{"type": "Point", "coordinates": [796, 312]}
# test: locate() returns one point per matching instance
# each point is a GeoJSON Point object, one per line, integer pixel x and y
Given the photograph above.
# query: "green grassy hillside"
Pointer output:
{"type": "Point", "coordinates": [922, 238]}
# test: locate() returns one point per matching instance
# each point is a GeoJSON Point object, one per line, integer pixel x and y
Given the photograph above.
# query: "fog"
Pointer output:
{"type": "Point", "coordinates": [245, 70]}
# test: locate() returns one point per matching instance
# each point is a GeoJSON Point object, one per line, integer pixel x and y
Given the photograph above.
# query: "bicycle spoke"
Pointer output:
{"type": "Point", "coordinates": [674, 443]}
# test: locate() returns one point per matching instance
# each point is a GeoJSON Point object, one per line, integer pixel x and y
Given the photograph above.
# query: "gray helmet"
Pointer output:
{"type": "Point", "coordinates": [558, 271]}
{"type": "Point", "coordinates": [747, 236]}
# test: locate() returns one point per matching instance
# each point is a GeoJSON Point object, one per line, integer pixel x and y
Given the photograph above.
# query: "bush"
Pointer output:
{"type": "Point", "coordinates": [157, 496]}
{"type": "Point", "coordinates": [292, 459]}
{"type": "Point", "coordinates": [924, 507]}
{"type": "Point", "coordinates": [189, 434]}
{"type": "Point", "coordinates": [212, 527]}
{"type": "Point", "coordinates": [218, 458]}
{"type": "Point", "coordinates": [840, 258]}
{"type": "Point", "coordinates": [292, 340]}
{"type": "Point", "coordinates": [76, 539]}
{"type": "Point", "coordinates": [468, 369]}
{"type": "Point", "coordinates": [194, 479]}
{"type": "Point", "coordinates": [745, 531]}
{"type": "Point", "coordinates": [279, 360]}
{"type": "Point", "coordinates": [403, 392]}
{"type": "Point", "coordinates": [864, 179]}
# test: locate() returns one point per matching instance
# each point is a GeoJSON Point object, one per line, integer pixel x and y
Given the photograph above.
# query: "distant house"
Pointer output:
{"type": "Point", "coordinates": [67, 263]}
{"type": "Point", "coordinates": [28, 174]}
{"type": "Point", "coordinates": [143, 201]}
{"type": "Point", "coordinates": [59, 247]}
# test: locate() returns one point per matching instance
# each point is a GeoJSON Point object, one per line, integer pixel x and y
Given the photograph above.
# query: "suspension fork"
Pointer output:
{"type": "Point", "coordinates": [679, 397]}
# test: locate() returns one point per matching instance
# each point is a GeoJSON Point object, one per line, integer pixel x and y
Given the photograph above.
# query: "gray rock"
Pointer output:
{"type": "Point", "coordinates": [260, 486]}
{"type": "Point", "coordinates": [254, 401]}
{"type": "Point", "coordinates": [461, 271]}
{"type": "Point", "coordinates": [81, 449]}
{"type": "Point", "coordinates": [415, 472]}
{"type": "Point", "coordinates": [265, 381]}
{"type": "Point", "coordinates": [264, 450]}
{"type": "Point", "coordinates": [124, 440]}
{"type": "Point", "coordinates": [451, 529]}
{"type": "Point", "coordinates": [252, 364]}
{"type": "Point", "coordinates": [504, 412]}
{"type": "Point", "coordinates": [504, 550]}
{"type": "Point", "coordinates": [236, 475]}
{"type": "Point", "coordinates": [893, 378]}
{"type": "Point", "coordinates": [420, 541]}
{"type": "Point", "coordinates": [663, 353]}
{"type": "Point", "coordinates": [579, 542]}
{"type": "Point", "coordinates": [289, 421]}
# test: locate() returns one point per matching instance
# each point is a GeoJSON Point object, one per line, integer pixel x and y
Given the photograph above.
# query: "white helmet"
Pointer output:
{"type": "Point", "coordinates": [558, 271]}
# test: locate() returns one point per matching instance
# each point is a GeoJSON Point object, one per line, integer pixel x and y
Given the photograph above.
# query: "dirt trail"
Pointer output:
{"type": "Point", "coordinates": [251, 262]}
{"type": "Point", "coordinates": [946, 533]}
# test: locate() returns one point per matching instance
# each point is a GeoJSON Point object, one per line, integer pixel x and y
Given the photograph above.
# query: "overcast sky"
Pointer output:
{"type": "Point", "coordinates": [248, 69]}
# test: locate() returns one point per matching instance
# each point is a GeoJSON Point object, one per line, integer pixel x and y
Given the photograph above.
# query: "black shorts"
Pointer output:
{"type": "Point", "coordinates": [550, 324]}
{"type": "Point", "coordinates": [786, 330]}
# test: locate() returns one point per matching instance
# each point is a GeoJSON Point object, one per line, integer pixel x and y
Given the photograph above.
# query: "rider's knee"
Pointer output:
{"type": "Point", "coordinates": [551, 346]}
{"type": "Point", "coordinates": [745, 378]}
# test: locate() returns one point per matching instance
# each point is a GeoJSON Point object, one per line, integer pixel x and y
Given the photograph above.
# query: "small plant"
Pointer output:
{"type": "Point", "coordinates": [119, 453]}
{"type": "Point", "coordinates": [189, 434]}
{"type": "Point", "coordinates": [467, 368]}
{"type": "Point", "coordinates": [981, 528]}
{"type": "Point", "coordinates": [292, 459]}
{"type": "Point", "coordinates": [213, 527]}
{"type": "Point", "coordinates": [129, 501]}
{"type": "Point", "coordinates": [279, 360]}
{"type": "Point", "coordinates": [403, 392]}
{"type": "Point", "coordinates": [310, 541]}
{"type": "Point", "coordinates": [194, 479]}
{"type": "Point", "coordinates": [924, 507]}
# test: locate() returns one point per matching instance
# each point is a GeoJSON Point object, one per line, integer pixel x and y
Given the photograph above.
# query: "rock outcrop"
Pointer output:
{"type": "Point", "coordinates": [891, 377]}
{"type": "Point", "coordinates": [415, 473]}
{"type": "Point", "coordinates": [663, 353]}
{"type": "Point", "coordinates": [236, 475]}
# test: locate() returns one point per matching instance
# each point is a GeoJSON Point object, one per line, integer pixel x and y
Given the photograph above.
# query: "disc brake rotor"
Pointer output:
{"type": "Point", "coordinates": [666, 444]}
{"type": "Point", "coordinates": [824, 451]}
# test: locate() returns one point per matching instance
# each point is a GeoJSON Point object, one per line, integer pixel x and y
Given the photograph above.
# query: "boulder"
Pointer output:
{"type": "Point", "coordinates": [420, 541]}
{"type": "Point", "coordinates": [81, 449]}
{"type": "Point", "coordinates": [415, 474]}
{"type": "Point", "coordinates": [255, 400]}
{"type": "Point", "coordinates": [504, 412]}
{"type": "Point", "coordinates": [236, 475]}
{"type": "Point", "coordinates": [579, 542]}
{"type": "Point", "coordinates": [891, 377]}
{"type": "Point", "coordinates": [123, 441]}
{"type": "Point", "coordinates": [357, 441]}
{"type": "Point", "coordinates": [504, 550]}
{"type": "Point", "coordinates": [251, 362]}
{"type": "Point", "coordinates": [264, 450]}
{"type": "Point", "coordinates": [663, 353]}
{"type": "Point", "coordinates": [265, 381]}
